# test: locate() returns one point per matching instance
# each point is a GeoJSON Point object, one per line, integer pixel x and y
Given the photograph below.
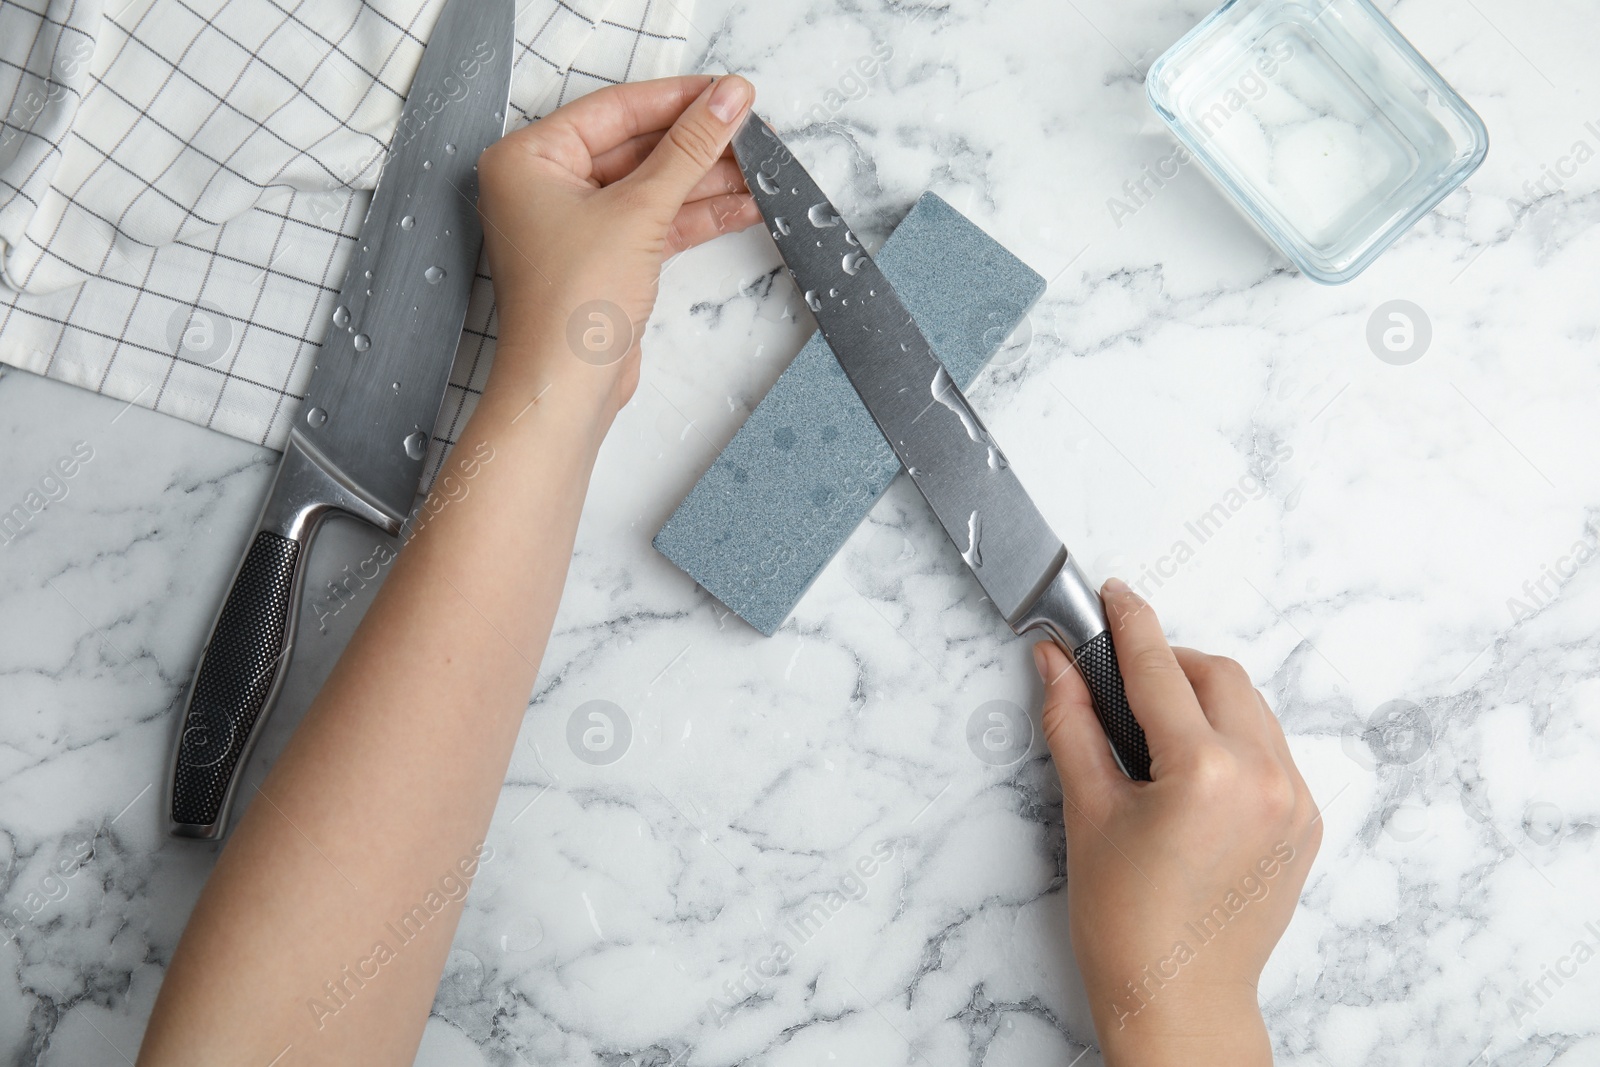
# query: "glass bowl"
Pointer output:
{"type": "Point", "coordinates": [1321, 122]}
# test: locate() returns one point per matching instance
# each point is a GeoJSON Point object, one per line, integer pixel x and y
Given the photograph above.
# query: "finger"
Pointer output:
{"type": "Point", "coordinates": [620, 161]}
{"type": "Point", "coordinates": [1159, 694]}
{"type": "Point", "coordinates": [1226, 695]}
{"type": "Point", "coordinates": [1274, 732]}
{"type": "Point", "coordinates": [1309, 815]}
{"type": "Point", "coordinates": [1083, 758]}
{"type": "Point", "coordinates": [1280, 748]}
{"type": "Point", "coordinates": [694, 143]}
{"type": "Point", "coordinates": [592, 125]}
{"type": "Point", "coordinates": [722, 179]}
{"type": "Point", "coordinates": [1310, 821]}
{"type": "Point", "coordinates": [624, 159]}
{"type": "Point", "coordinates": [700, 221]}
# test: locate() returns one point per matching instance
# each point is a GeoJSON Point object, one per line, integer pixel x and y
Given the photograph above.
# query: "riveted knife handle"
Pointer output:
{"type": "Point", "coordinates": [1069, 611]}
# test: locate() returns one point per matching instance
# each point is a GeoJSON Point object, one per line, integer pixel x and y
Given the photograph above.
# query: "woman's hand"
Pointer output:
{"type": "Point", "coordinates": [1177, 888]}
{"type": "Point", "coordinates": [579, 211]}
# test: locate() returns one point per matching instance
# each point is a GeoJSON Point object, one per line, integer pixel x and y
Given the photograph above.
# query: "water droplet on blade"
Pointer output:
{"type": "Point", "coordinates": [822, 216]}
{"type": "Point", "coordinates": [434, 275]}
{"type": "Point", "coordinates": [362, 342]}
{"type": "Point", "coordinates": [766, 184]}
{"type": "Point", "coordinates": [408, 222]}
{"type": "Point", "coordinates": [812, 300]}
{"type": "Point", "coordinates": [854, 261]}
{"type": "Point", "coordinates": [427, 164]}
{"type": "Point", "coordinates": [850, 239]}
{"type": "Point", "coordinates": [946, 393]}
{"type": "Point", "coordinates": [341, 316]}
{"type": "Point", "coordinates": [781, 224]}
{"type": "Point", "coordinates": [394, 387]}
{"type": "Point", "coordinates": [449, 149]}
{"type": "Point", "coordinates": [316, 417]}
{"type": "Point", "coordinates": [416, 444]}
{"type": "Point", "coordinates": [367, 274]}
{"type": "Point", "coordinates": [973, 553]}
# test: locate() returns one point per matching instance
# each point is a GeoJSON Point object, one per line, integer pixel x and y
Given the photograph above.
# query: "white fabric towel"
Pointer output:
{"type": "Point", "coordinates": [182, 182]}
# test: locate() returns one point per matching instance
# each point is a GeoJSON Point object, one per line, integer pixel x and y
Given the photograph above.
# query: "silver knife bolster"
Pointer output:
{"type": "Point", "coordinates": [309, 483]}
{"type": "Point", "coordinates": [1068, 609]}
{"type": "Point", "coordinates": [1071, 613]}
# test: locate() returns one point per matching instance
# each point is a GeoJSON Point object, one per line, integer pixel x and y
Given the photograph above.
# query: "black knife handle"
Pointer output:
{"type": "Point", "coordinates": [1069, 611]}
{"type": "Point", "coordinates": [240, 671]}
{"type": "Point", "coordinates": [1097, 662]}
{"type": "Point", "coordinates": [251, 643]}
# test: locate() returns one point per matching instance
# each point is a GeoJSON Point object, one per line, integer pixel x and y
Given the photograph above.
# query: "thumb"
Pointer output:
{"type": "Point", "coordinates": [1071, 729]}
{"type": "Point", "coordinates": [695, 142]}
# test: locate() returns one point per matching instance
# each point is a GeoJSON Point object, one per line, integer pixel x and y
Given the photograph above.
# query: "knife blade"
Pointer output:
{"type": "Point", "coordinates": [950, 455]}
{"type": "Point", "coordinates": [374, 395]}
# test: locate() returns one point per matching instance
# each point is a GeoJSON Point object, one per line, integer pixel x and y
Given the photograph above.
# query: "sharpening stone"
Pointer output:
{"type": "Point", "coordinates": [809, 462]}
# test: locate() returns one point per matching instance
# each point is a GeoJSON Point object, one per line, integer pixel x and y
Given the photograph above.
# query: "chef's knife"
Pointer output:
{"type": "Point", "coordinates": [361, 437]}
{"type": "Point", "coordinates": [951, 457]}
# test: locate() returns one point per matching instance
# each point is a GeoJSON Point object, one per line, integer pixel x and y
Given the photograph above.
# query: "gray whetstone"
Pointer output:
{"type": "Point", "coordinates": [809, 462]}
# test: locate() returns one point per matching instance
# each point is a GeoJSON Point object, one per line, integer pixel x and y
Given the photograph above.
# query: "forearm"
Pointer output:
{"type": "Point", "coordinates": [1184, 1028]}
{"type": "Point", "coordinates": [386, 790]}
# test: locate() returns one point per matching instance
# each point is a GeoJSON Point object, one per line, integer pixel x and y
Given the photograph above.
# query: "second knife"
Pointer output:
{"type": "Point", "coordinates": [380, 378]}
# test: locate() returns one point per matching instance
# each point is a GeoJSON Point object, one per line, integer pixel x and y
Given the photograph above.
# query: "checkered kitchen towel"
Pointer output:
{"type": "Point", "coordinates": [182, 181]}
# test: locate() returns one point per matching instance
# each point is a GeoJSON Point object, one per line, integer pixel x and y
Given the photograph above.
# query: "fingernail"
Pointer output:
{"type": "Point", "coordinates": [1116, 587]}
{"type": "Point", "coordinates": [730, 97]}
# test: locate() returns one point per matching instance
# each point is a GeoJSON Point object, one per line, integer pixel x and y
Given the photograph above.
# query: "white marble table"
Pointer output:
{"type": "Point", "coordinates": [1420, 533]}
